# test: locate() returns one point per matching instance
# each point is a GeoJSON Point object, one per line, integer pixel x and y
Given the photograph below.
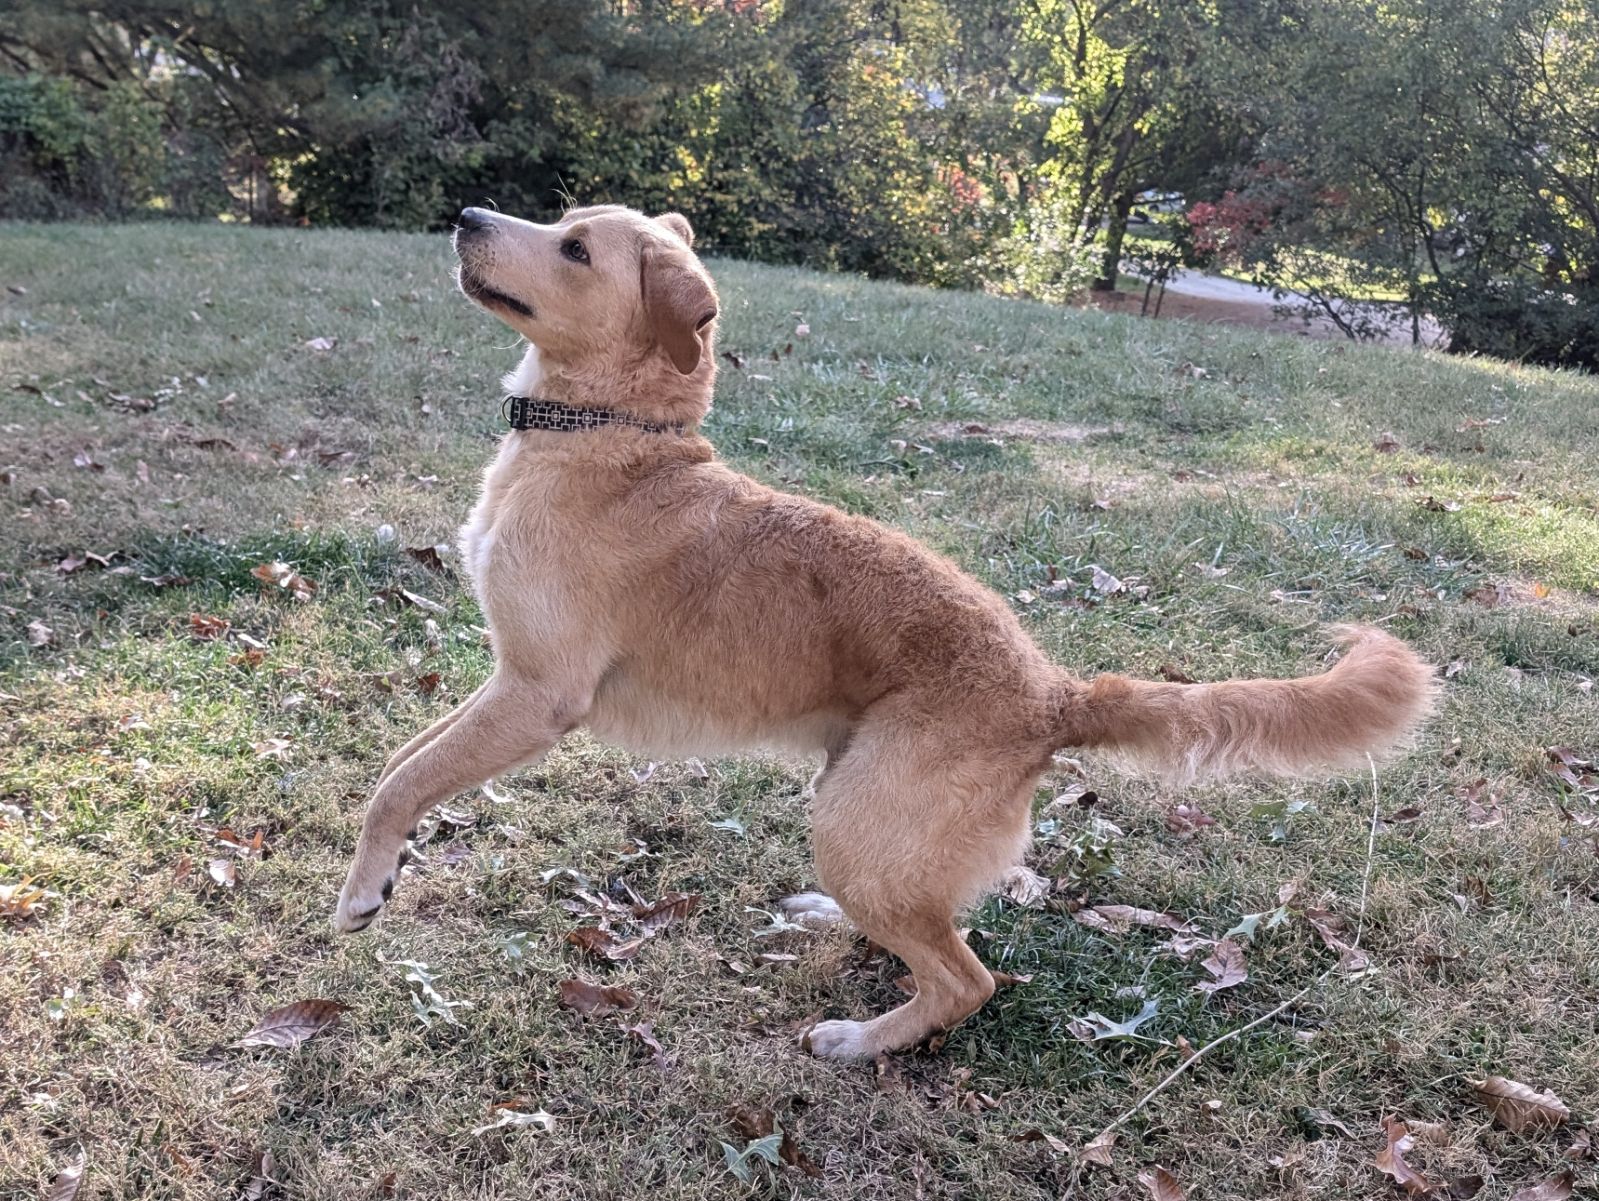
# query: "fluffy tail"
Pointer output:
{"type": "Point", "coordinates": [1369, 701]}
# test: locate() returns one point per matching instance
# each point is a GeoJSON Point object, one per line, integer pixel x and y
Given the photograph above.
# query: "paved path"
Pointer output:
{"type": "Point", "coordinates": [1200, 286]}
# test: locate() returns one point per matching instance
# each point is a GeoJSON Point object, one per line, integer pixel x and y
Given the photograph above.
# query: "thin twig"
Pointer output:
{"type": "Point", "coordinates": [1360, 926]}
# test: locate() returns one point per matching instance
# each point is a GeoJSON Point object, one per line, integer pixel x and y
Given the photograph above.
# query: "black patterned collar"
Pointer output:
{"type": "Point", "coordinates": [531, 413]}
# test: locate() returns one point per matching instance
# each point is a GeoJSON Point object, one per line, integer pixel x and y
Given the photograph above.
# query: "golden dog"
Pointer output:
{"type": "Point", "coordinates": [637, 587]}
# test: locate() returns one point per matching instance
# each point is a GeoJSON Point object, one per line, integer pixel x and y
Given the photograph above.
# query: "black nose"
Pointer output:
{"type": "Point", "coordinates": [474, 219]}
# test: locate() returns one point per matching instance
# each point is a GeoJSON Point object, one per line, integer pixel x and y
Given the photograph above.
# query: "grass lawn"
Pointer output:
{"type": "Point", "coordinates": [167, 429]}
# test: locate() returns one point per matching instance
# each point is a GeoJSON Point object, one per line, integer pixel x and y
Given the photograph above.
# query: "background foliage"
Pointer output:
{"type": "Point", "coordinates": [1441, 152]}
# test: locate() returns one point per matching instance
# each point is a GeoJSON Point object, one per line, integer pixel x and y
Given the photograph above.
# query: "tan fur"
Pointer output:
{"type": "Point", "coordinates": [637, 587]}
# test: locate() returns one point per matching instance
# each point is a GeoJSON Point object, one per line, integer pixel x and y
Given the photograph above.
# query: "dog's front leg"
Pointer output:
{"type": "Point", "coordinates": [508, 722]}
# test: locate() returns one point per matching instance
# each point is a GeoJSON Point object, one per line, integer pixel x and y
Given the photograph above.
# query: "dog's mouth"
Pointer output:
{"type": "Point", "coordinates": [489, 297]}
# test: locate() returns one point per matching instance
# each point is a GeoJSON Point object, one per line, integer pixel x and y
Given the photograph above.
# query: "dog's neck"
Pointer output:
{"type": "Point", "coordinates": [643, 390]}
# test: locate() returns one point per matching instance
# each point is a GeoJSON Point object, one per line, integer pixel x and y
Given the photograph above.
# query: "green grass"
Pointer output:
{"type": "Point", "coordinates": [127, 738]}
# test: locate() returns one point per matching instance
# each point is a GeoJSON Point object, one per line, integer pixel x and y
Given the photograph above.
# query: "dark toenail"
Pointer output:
{"type": "Point", "coordinates": [411, 837]}
{"type": "Point", "coordinates": [388, 888]}
{"type": "Point", "coordinates": [358, 929]}
{"type": "Point", "coordinates": [405, 856]}
{"type": "Point", "coordinates": [369, 914]}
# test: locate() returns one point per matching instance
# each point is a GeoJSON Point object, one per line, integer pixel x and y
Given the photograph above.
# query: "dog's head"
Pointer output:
{"type": "Point", "coordinates": [602, 286]}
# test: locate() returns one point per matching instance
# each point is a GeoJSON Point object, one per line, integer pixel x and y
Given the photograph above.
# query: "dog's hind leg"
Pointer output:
{"type": "Point", "coordinates": [905, 838]}
{"type": "Point", "coordinates": [509, 722]}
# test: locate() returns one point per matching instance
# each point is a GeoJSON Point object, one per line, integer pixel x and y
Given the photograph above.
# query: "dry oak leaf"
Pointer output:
{"type": "Point", "coordinates": [291, 1025]}
{"type": "Point", "coordinates": [1118, 919]}
{"type": "Point", "coordinates": [69, 1180]}
{"type": "Point", "coordinates": [1098, 1151]}
{"type": "Point", "coordinates": [602, 944]}
{"type": "Point", "coordinates": [1331, 928]}
{"type": "Point", "coordinates": [674, 906]}
{"type": "Point", "coordinates": [285, 577]}
{"type": "Point", "coordinates": [206, 628]}
{"type": "Point", "coordinates": [754, 1122]}
{"type": "Point", "coordinates": [1517, 1107]}
{"type": "Point", "coordinates": [1581, 1147]}
{"type": "Point", "coordinates": [1226, 968]}
{"type": "Point", "coordinates": [1035, 1135]}
{"type": "Point", "coordinates": [1161, 1184]}
{"type": "Point", "coordinates": [1556, 1188]}
{"type": "Point", "coordinates": [1391, 1161]}
{"type": "Point", "coordinates": [587, 998]}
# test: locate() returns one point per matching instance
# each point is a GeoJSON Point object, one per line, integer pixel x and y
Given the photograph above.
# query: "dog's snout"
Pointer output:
{"type": "Point", "coordinates": [475, 220]}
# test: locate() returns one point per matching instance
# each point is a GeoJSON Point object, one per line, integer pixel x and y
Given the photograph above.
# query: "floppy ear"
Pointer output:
{"type": "Point", "coordinates": [679, 303]}
{"type": "Point", "coordinates": [678, 224]}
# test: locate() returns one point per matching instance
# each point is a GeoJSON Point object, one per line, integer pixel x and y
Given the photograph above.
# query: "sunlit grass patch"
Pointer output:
{"type": "Point", "coordinates": [1230, 483]}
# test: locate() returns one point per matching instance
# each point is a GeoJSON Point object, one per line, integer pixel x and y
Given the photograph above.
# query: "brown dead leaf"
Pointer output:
{"type": "Point", "coordinates": [1187, 820]}
{"type": "Point", "coordinates": [753, 1122]}
{"type": "Point", "coordinates": [261, 1177]}
{"type": "Point", "coordinates": [290, 1025]}
{"type": "Point", "coordinates": [1385, 443]}
{"type": "Point", "coordinates": [1226, 968]}
{"type": "Point", "coordinates": [1175, 674]}
{"type": "Point", "coordinates": [40, 634]}
{"type": "Point", "coordinates": [1099, 1149]}
{"type": "Point", "coordinates": [1391, 1161]}
{"type": "Point", "coordinates": [285, 577]}
{"type": "Point", "coordinates": [602, 944]}
{"type": "Point", "coordinates": [429, 557]}
{"type": "Point", "coordinates": [1556, 1188]}
{"type": "Point", "coordinates": [1119, 919]}
{"type": "Point", "coordinates": [1517, 1107]}
{"type": "Point", "coordinates": [673, 907]}
{"type": "Point", "coordinates": [206, 628]}
{"type": "Point", "coordinates": [21, 900]}
{"type": "Point", "coordinates": [644, 1032]}
{"type": "Point", "coordinates": [589, 999]}
{"type": "Point", "coordinates": [1161, 1184]}
{"type": "Point", "coordinates": [223, 872]}
{"type": "Point", "coordinates": [271, 748]}
{"type": "Point", "coordinates": [1581, 1147]}
{"type": "Point", "coordinates": [1333, 929]}
{"type": "Point", "coordinates": [1035, 1135]}
{"type": "Point", "coordinates": [69, 1180]}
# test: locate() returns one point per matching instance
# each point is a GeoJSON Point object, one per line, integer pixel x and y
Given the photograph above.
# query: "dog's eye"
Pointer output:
{"type": "Point", "coordinates": [575, 250]}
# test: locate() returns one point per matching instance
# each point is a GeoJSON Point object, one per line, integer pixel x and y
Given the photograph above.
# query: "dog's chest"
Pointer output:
{"type": "Point", "coordinates": [509, 544]}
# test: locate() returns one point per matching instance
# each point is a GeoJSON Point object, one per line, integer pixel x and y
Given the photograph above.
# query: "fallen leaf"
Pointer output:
{"type": "Point", "coordinates": [321, 345]}
{"type": "Point", "coordinates": [1096, 1027]}
{"type": "Point", "coordinates": [40, 634]}
{"type": "Point", "coordinates": [206, 628]}
{"type": "Point", "coordinates": [69, 1180]}
{"type": "Point", "coordinates": [261, 1176]}
{"type": "Point", "coordinates": [1105, 583]}
{"type": "Point", "coordinates": [1385, 444]}
{"type": "Point", "coordinates": [1175, 675]}
{"type": "Point", "coordinates": [223, 872]}
{"type": "Point", "coordinates": [285, 577]}
{"type": "Point", "coordinates": [1391, 1160]}
{"type": "Point", "coordinates": [271, 748]}
{"type": "Point", "coordinates": [518, 1119]}
{"type": "Point", "coordinates": [1187, 820]}
{"type": "Point", "coordinates": [753, 1122]}
{"type": "Point", "coordinates": [673, 907]}
{"type": "Point", "coordinates": [21, 900]}
{"type": "Point", "coordinates": [644, 1032]}
{"type": "Point", "coordinates": [429, 557]}
{"type": "Point", "coordinates": [1024, 886]}
{"type": "Point", "coordinates": [1119, 919]}
{"type": "Point", "coordinates": [1556, 1188]}
{"type": "Point", "coordinates": [1322, 1119]}
{"type": "Point", "coordinates": [1098, 1151]}
{"type": "Point", "coordinates": [602, 944]}
{"type": "Point", "coordinates": [1581, 1147]}
{"type": "Point", "coordinates": [589, 999]}
{"type": "Point", "coordinates": [291, 1025]}
{"type": "Point", "coordinates": [1517, 1107]}
{"type": "Point", "coordinates": [1332, 928]}
{"type": "Point", "coordinates": [1035, 1135]}
{"type": "Point", "coordinates": [1226, 968]}
{"type": "Point", "coordinates": [1161, 1184]}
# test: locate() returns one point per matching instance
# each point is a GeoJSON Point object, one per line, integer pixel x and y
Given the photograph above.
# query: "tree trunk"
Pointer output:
{"type": "Point", "coordinates": [1110, 266]}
